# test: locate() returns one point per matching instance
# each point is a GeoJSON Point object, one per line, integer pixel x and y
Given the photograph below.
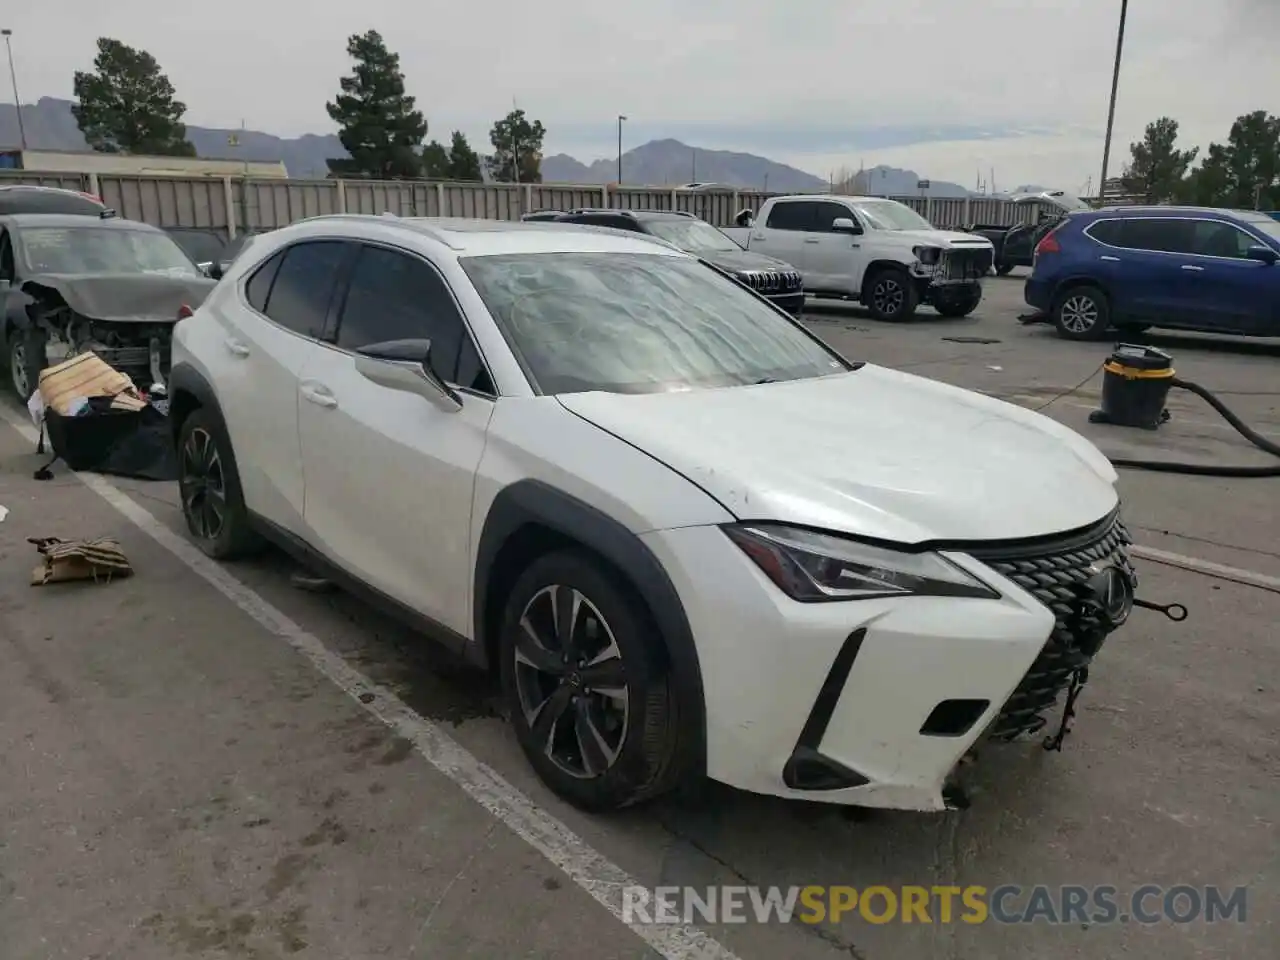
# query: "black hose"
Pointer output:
{"type": "Point", "coordinates": [1205, 469]}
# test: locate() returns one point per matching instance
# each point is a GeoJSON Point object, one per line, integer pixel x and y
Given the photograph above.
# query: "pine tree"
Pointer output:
{"type": "Point", "coordinates": [126, 104]}
{"type": "Point", "coordinates": [377, 121]}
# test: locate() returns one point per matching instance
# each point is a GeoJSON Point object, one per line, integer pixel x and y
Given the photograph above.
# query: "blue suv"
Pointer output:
{"type": "Point", "coordinates": [1130, 268]}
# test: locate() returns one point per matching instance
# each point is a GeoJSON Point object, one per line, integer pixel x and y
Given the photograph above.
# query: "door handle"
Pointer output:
{"type": "Point", "coordinates": [812, 239]}
{"type": "Point", "coordinates": [319, 395]}
{"type": "Point", "coordinates": [238, 347]}
{"type": "Point", "coordinates": [1109, 259]}
{"type": "Point", "coordinates": [855, 246]}
{"type": "Point", "coordinates": [1192, 268]}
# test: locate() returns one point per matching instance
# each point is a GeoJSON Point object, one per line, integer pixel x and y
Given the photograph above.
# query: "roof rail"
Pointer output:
{"type": "Point", "coordinates": [419, 224]}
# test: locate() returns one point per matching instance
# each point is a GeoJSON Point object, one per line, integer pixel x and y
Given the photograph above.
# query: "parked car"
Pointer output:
{"type": "Point", "coordinates": [108, 285]}
{"type": "Point", "coordinates": [24, 198]}
{"type": "Point", "coordinates": [871, 250]}
{"type": "Point", "coordinates": [542, 215]}
{"type": "Point", "coordinates": [1187, 268]}
{"type": "Point", "coordinates": [1015, 245]}
{"type": "Point", "coordinates": [690, 537]}
{"type": "Point", "coordinates": [776, 281]}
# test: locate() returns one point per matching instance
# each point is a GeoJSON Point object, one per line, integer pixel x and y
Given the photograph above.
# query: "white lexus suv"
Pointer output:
{"type": "Point", "coordinates": [690, 537]}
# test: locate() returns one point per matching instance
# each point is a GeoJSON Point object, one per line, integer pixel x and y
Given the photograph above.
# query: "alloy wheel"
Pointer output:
{"type": "Point", "coordinates": [571, 682]}
{"type": "Point", "coordinates": [18, 369]}
{"type": "Point", "coordinates": [203, 486]}
{"type": "Point", "coordinates": [887, 296]}
{"type": "Point", "coordinates": [1079, 314]}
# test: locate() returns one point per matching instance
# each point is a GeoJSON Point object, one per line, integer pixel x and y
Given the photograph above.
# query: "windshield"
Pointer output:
{"type": "Point", "coordinates": [691, 236]}
{"type": "Point", "coordinates": [890, 215]}
{"type": "Point", "coordinates": [639, 323]}
{"type": "Point", "coordinates": [77, 250]}
{"type": "Point", "coordinates": [1269, 228]}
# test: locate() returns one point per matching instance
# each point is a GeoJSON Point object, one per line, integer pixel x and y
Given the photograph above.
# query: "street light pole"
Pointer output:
{"type": "Point", "coordinates": [13, 77]}
{"type": "Point", "coordinates": [1111, 111]}
{"type": "Point", "coordinates": [621, 118]}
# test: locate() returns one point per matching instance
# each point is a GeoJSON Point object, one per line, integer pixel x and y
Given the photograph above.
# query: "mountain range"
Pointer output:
{"type": "Point", "coordinates": [49, 125]}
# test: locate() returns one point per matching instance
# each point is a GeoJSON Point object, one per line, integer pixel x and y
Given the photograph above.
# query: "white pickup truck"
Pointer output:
{"type": "Point", "coordinates": [875, 251]}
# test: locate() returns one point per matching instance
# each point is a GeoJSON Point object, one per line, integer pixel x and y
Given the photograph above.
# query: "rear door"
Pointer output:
{"type": "Point", "coordinates": [268, 332]}
{"type": "Point", "coordinates": [1147, 268]}
{"type": "Point", "coordinates": [788, 234]}
{"type": "Point", "coordinates": [1221, 287]}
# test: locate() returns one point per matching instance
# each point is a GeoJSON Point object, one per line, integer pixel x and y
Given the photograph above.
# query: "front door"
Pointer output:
{"type": "Point", "coordinates": [787, 235]}
{"type": "Point", "coordinates": [1222, 286]}
{"type": "Point", "coordinates": [390, 476]}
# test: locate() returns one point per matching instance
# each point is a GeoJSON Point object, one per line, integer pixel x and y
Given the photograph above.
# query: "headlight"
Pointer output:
{"type": "Point", "coordinates": [811, 567]}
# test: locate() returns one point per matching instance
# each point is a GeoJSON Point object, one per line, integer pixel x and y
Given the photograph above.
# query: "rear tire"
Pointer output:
{"type": "Point", "coordinates": [1082, 313]}
{"type": "Point", "coordinates": [890, 294]}
{"type": "Point", "coordinates": [592, 705]}
{"type": "Point", "coordinates": [209, 486]}
{"type": "Point", "coordinates": [1004, 269]}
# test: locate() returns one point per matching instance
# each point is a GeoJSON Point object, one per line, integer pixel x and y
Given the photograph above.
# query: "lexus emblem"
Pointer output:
{"type": "Point", "coordinates": [1112, 589]}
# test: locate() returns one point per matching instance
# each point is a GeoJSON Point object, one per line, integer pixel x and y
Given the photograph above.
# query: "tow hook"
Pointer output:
{"type": "Point", "coordinates": [1174, 611]}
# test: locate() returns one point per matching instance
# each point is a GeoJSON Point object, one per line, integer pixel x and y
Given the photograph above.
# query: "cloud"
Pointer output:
{"type": "Point", "coordinates": [916, 79]}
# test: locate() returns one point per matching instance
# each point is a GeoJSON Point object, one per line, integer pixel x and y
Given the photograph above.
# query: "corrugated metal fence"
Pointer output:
{"type": "Point", "coordinates": [229, 205]}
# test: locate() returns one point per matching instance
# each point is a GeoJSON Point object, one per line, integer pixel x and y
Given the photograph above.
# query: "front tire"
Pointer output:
{"type": "Point", "coordinates": [209, 486]}
{"type": "Point", "coordinates": [890, 294]}
{"type": "Point", "coordinates": [960, 306]}
{"type": "Point", "coordinates": [27, 358]}
{"type": "Point", "coordinates": [1082, 313]}
{"type": "Point", "coordinates": [586, 684]}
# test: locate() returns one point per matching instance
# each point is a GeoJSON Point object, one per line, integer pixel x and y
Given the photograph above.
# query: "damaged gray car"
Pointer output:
{"type": "Point", "coordinates": [77, 283]}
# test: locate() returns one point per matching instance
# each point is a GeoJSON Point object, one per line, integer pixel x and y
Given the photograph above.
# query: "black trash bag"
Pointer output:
{"type": "Point", "coordinates": [124, 443]}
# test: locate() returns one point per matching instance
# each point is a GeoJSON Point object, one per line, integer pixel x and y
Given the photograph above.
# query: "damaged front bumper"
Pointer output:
{"type": "Point", "coordinates": [950, 273]}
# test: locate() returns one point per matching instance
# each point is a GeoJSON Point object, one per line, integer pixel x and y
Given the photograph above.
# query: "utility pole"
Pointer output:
{"type": "Point", "coordinates": [621, 119]}
{"type": "Point", "coordinates": [1111, 110]}
{"type": "Point", "coordinates": [694, 172]}
{"type": "Point", "coordinates": [13, 77]}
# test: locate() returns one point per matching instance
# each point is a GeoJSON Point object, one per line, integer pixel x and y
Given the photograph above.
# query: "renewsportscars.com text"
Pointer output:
{"type": "Point", "coordinates": [1006, 904]}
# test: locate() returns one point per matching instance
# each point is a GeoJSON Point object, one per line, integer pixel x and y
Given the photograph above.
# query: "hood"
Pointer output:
{"type": "Point", "coordinates": [739, 261]}
{"type": "Point", "coordinates": [945, 238]}
{"type": "Point", "coordinates": [873, 453]}
{"type": "Point", "coordinates": [129, 296]}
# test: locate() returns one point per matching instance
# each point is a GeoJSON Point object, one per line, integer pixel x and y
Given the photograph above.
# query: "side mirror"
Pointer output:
{"type": "Point", "coordinates": [1263, 254]}
{"type": "Point", "coordinates": [744, 218]}
{"type": "Point", "coordinates": [405, 365]}
{"type": "Point", "coordinates": [844, 225]}
{"type": "Point", "coordinates": [213, 270]}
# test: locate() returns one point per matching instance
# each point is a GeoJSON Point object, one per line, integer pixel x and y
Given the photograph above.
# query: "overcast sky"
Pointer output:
{"type": "Point", "coordinates": [947, 89]}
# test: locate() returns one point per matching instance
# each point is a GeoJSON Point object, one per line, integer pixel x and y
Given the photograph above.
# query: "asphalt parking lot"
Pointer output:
{"type": "Point", "coordinates": [209, 762]}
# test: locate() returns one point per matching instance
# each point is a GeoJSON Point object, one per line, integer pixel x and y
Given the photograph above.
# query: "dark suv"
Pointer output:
{"type": "Point", "coordinates": [772, 279]}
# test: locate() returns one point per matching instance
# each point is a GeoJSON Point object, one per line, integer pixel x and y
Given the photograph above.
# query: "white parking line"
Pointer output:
{"type": "Point", "coordinates": [588, 868]}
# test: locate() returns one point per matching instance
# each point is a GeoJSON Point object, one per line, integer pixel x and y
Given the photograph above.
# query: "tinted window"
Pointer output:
{"type": "Point", "coordinates": [303, 286]}
{"type": "Point", "coordinates": [1213, 238]}
{"type": "Point", "coordinates": [394, 296]}
{"type": "Point", "coordinates": [797, 215]}
{"type": "Point", "coordinates": [471, 372]}
{"type": "Point", "coordinates": [18, 200]}
{"type": "Point", "coordinates": [1163, 236]}
{"type": "Point", "coordinates": [639, 323]}
{"type": "Point", "coordinates": [608, 220]}
{"type": "Point", "coordinates": [1108, 232]}
{"type": "Point", "coordinates": [825, 214]}
{"type": "Point", "coordinates": [7, 267]}
{"type": "Point", "coordinates": [259, 285]}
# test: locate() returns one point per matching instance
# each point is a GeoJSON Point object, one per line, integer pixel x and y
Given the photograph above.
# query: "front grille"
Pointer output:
{"type": "Point", "coordinates": [960, 263]}
{"type": "Point", "coordinates": [771, 281]}
{"type": "Point", "coordinates": [1053, 573]}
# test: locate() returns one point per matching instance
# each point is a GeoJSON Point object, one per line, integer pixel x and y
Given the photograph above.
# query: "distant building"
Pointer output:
{"type": "Point", "coordinates": [57, 161]}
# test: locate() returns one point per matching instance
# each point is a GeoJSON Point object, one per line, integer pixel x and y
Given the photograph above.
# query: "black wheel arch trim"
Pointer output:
{"type": "Point", "coordinates": [533, 502]}
{"type": "Point", "coordinates": [185, 380]}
